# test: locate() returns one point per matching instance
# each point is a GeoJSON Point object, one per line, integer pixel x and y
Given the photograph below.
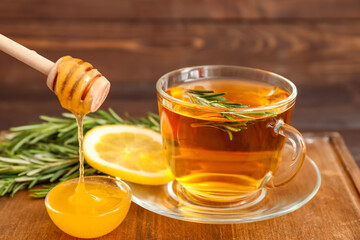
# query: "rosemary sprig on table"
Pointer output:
{"type": "Point", "coordinates": [47, 152]}
{"type": "Point", "coordinates": [212, 99]}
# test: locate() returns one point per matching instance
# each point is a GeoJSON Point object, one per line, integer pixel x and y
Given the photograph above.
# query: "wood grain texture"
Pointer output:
{"type": "Point", "coordinates": [179, 9]}
{"type": "Point", "coordinates": [313, 52]}
{"type": "Point", "coordinates": [348, 165]}
{"type": "Point", "coordinates": [327, 216]}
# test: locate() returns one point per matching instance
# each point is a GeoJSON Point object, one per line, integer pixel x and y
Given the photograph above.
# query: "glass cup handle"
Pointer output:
{"type": "Point", "coordinates": [298, 144]}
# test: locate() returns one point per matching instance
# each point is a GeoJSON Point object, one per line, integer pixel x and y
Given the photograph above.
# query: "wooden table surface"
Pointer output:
{"type": "Point", "coordinates": [327, 216]}
{"type": "Point", "coordinates": [316, 44]}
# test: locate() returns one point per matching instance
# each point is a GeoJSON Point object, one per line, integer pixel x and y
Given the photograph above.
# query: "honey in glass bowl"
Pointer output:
{"type": "Point", "coordinates": [91, 209]}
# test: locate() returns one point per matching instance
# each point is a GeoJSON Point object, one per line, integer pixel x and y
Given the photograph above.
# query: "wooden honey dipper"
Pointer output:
{"type": "Point", "coordinates": [79, 87]}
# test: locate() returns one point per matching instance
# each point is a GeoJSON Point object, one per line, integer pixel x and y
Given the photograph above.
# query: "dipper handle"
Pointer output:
{"type": "Point", "coordinates": [25, 55]}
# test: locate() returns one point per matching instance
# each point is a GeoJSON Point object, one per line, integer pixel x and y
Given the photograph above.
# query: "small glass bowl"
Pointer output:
{"type": "Point", "coordinates": [83, 222]}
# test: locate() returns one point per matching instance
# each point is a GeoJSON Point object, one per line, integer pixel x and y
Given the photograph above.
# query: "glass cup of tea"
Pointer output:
{"type": "Point", "coordinates": [224, 129]}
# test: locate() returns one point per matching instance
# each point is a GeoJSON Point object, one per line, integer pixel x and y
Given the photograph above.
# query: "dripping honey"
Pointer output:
{"type": "Point", "coordinates": [83, 209]}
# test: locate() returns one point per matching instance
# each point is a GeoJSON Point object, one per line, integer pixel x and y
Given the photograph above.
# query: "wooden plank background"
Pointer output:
{"type": "Point", "coordinates": [179, 9]}
{"type": "Point", "coordinates": [316, 44]}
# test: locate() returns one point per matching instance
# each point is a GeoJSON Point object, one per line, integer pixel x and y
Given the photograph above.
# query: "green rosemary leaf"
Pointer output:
{"type": "Point", "coordinates": [45, 177]}
{"type": "Point", "coordinates": [189, 97]}
{"type": "Point", "coordinates": [42, 136]}
{"type": "Point", "coordinates": [17, 188]}
{"type": "Point", "coordinates": [107, 116]}
{"type": "Point", "coordinates": [59, 165]}
{"type": "Point", "coordinates": [53, 119]}
{"type": "Point", "coordinates": [69, 115]}
{"type": "Point", "coordinates": [144, 121]}
{"type": "Point", "coordinates": [199, 91]}
{"type": "Point", "coordinates": [44, 158]}
{"type": "Point", "coordinates": [12, 170]}
{"type": "Point", "coordinates": [7, 188]}
{"type": "Point", "coordinates": [234, 129]}
{"type": "Point", "coordinates": [207, 96]}
{"type": "Point", "coordinates": [72, 140]}
{"type": "Point", "coordinates": [8, 137]}
{"type": "Point", "coordinates": [21, 141]}
{"type": "Point", "coordinates": [263, 113]}
{"type": "Point", "coordinates": [41, 193]}
{"type": "Point", "coordinates": [33, 183]}
{"type": "Point", "coordinates": [130, 119]}
{"type": "Point", "coordinates": [33, 172]}
{"type": "Point", "coordinates": [63, 149]}
{"type": "Point", "coordinates": [12, 160]}
{"type": "Point", "coordinates": [115, 116]}
{"type": "Point", "coordinates": [230, 134]}
{"type": "Point", "coordinates": [36, 161]}
{"type": "Point", "coordinates": [230, 105]}
{"type": "Point", "coordinates": [23, 157]}
{"type": "Point", "coordinates": [27, 127]}
{"type": "Point", "coordinates": [271, 92]}
{"type": "Point", "coordinates": [58, 174]}
{"type": "Point", "coordinates": [71, 171]}
{"type": "Point", "coordinates": [153, 120]}
{"type": "Point", "coordinates": [72, 126]}
{"type": "Point", "coordinates": [229, 115]}
{"type": "Point", "coordinates": [24, 179]}
{"type": "Point", "coordinates": [217, 99]}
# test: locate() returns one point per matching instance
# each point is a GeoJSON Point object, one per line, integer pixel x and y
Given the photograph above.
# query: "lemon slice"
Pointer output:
{"type": "Point", "coordinates": [131, 153]}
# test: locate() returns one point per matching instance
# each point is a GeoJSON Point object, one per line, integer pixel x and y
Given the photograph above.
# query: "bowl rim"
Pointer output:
{"type": "Point", "coordinates": [118, 206]}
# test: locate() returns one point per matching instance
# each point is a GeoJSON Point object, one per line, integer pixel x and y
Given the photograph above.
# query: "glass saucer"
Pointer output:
{"type": "Point", "coordinates": [270, 203]}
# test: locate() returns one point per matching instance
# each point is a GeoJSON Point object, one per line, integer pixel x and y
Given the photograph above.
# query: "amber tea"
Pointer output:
{"type": "Point", "coordinates": [222, 156]}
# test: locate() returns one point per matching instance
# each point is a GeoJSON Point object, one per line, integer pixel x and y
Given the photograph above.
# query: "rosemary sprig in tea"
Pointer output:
{"type": "Point", "coordinates": [47, 152]}
{"type": "Point", "coordinates": [212, 99]}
